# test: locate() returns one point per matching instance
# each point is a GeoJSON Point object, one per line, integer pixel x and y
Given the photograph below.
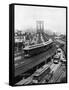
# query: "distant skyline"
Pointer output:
{"type": "Point", "coordinates": [54, 18]}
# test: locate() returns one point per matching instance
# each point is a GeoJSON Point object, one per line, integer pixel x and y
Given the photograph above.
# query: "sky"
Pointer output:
{"type": "Point", "coordinates": [54, 18]}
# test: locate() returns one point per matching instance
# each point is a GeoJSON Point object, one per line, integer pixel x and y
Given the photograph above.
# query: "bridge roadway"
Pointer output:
{"type": "Point", "coordinates": [24, 64]}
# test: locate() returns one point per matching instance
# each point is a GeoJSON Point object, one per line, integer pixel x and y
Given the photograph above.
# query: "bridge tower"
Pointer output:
{"type": "Point", "coordinates": [40, 26]}
{"type": "Point", "coordinates": [40, 30]}
{"type": "Point", "coordinates": [42, 37]}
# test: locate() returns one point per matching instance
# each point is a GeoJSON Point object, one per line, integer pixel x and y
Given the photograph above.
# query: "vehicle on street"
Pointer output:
{"type": "Point", "coordinates": [56, 59]}
{"type": "Point", "coordinates": [63, 60]}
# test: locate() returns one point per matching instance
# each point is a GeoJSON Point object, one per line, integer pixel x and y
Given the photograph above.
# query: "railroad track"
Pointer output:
{"type": "Point", "coordinates": [56, 75]}
{"type": "Point", "coordinates": [59, 76]}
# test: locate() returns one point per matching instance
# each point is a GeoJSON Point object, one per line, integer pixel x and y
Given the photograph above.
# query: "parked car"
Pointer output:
{"type": "Point", "coordinates": [63, 60]}
{"type": "Point", "coordinates": [59, 51]}
{"type": "Point", "coordinates": [56, 59]}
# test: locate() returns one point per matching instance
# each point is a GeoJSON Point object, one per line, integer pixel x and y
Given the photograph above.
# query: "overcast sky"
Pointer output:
{"type": "Point", "coordinates": [54, 18]}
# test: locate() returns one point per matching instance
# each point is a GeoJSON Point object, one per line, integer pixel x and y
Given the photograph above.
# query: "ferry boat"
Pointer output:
{"type": "Point", "coordinates": [37, 48]}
